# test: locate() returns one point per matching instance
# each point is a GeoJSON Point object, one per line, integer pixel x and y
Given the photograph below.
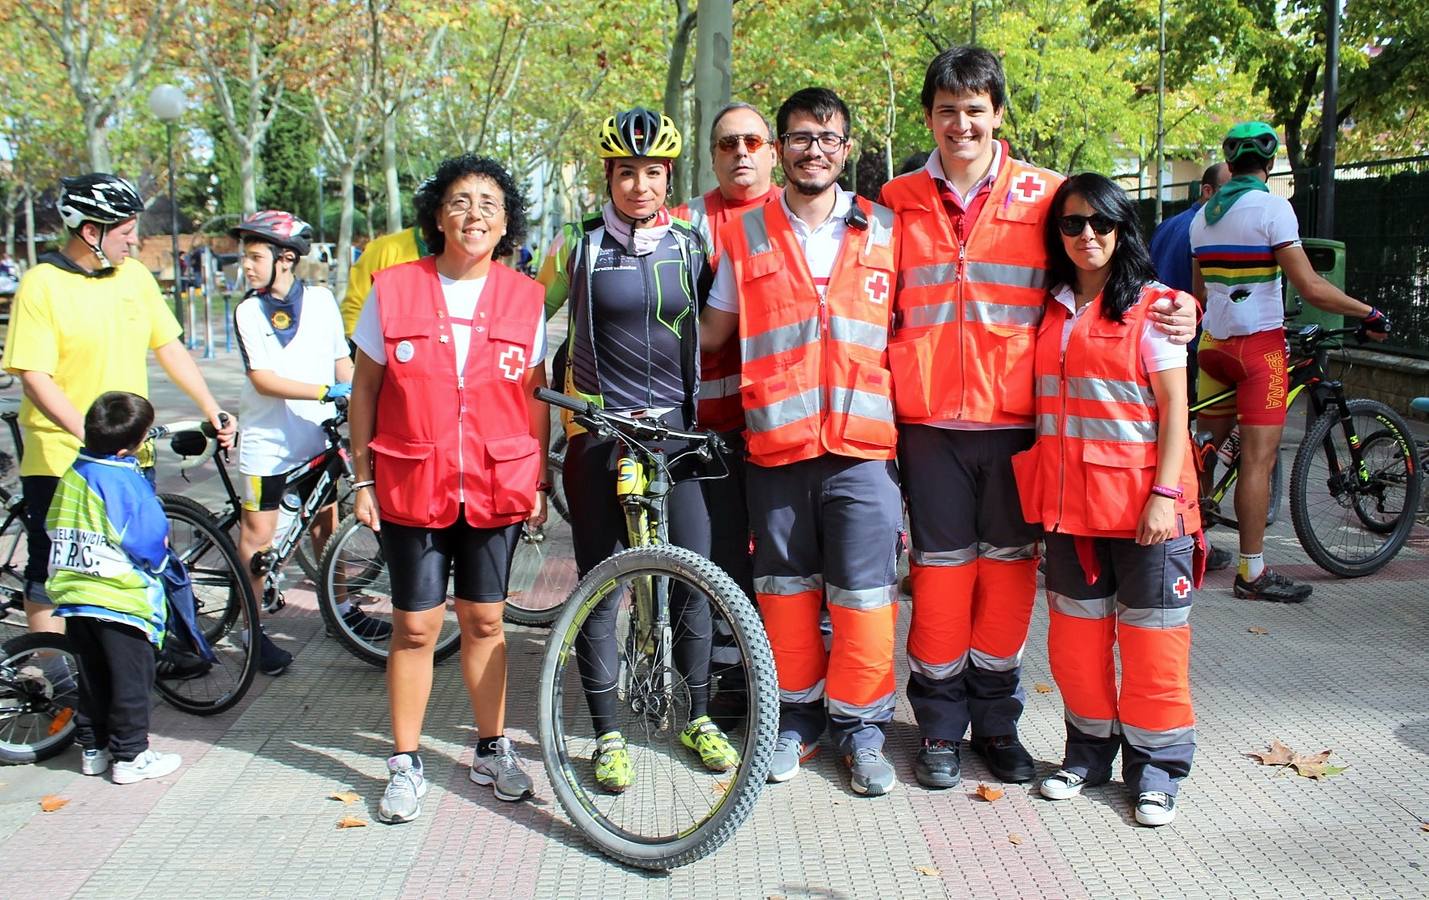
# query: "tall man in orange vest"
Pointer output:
{"type": "Point", "coordinates": [742, 150]}
{"type": "Point", "coordinates": [809, 284]}
{"type": "Point", "coordinates": [971, 287]}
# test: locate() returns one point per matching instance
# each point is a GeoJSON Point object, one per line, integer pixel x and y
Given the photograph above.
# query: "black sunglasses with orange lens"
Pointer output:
{"type": "Point", "coordinates": [730, 142]}
{"type": "Point", "coordinates": [1072, 226]}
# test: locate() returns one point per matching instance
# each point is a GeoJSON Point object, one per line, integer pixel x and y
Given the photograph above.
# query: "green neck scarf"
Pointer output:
{"type": "Point", "coordinates": [1222, 201]}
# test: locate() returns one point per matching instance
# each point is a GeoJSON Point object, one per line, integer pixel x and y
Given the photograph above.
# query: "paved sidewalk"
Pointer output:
{"type": "Point", "coordinates": [248, 815]}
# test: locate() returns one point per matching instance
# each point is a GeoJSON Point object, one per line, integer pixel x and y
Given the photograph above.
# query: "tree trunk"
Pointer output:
{"type": "Point", "coordinates": [389, 170]}
{"type": "Point", "coordinates": [247, 175]}
{"type": "Point", "coordinates": [10, 226]}
{"type": "Point", "coordinates": [97, 140]}
{"type": "Point", "coordinates": [675, 90]}
{"type": "Point", "coordinates": [714, 27]}
{"type": "Point", "coordinates": [348, 176]}
{"type": "Point", "coordinates": [30, 225]}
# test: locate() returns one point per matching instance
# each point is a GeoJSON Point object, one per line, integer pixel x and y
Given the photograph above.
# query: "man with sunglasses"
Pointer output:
{"type": "Point", "coordinates": [809, 284]}
{"type": "Point", "coordinates": [972, 284]}
{"type": "Point", "coordinates": [742, 151]}
{"type": "Point", "coordinates": [1241, 241]}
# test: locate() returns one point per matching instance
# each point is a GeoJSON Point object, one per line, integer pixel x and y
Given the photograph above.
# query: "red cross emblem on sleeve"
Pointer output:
{"type": "Point", "coordinates": [1029, 188]}
{"type": "Point", "coordinates": [876, 287]}
{"type": "Point", "coordinates": [1182, 587]}
{"type": "Point", "coordinates": [513, 363]}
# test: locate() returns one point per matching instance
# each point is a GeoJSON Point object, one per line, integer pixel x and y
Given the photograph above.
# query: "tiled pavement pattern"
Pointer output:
{"type": "Point", "coordinates": [248, 813]}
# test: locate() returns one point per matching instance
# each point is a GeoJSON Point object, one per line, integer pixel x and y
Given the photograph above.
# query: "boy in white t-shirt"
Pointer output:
{"type": "Point", "coordinates": [295, 354]}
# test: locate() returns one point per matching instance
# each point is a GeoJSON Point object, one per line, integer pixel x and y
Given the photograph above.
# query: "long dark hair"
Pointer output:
{"type": "Point", "coordinates": [1131, 266]}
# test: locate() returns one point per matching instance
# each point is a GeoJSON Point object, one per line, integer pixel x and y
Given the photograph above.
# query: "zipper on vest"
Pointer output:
{"type": "Point", "coordinates": [460, 440]}
{"type": "Point", "coordinates": [962, 351]}
{"type": "Point", "coordinates": [1061, 434]}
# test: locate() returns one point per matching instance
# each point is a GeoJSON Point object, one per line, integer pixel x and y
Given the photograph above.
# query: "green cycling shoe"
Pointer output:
{"type": "Point", "coordinates": [612, 763]}
{"type": "Point", "coordinates": [705, 738]}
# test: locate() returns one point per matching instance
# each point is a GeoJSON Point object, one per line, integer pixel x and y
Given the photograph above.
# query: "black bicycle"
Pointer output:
{"type": "Point", "coordinates": [1355, 479]}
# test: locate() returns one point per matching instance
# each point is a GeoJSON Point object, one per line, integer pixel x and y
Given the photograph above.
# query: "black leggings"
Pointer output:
{"type": "Point", "coordinates": [597, 531]}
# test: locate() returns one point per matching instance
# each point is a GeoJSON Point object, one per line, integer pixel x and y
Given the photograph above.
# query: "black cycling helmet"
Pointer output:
{"type": "Point", "coordinates": [276, 227]}
{"type": "Point", "coordinates": [101, 198]}
{"type": "Point", "coordinates": [639, 132]}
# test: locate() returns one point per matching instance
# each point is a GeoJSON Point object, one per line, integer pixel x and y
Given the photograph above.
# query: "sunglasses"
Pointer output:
{"type": "Point", "coordinates": [730, 142]}
{"type": "Point", "coordinates": [1072, 226]}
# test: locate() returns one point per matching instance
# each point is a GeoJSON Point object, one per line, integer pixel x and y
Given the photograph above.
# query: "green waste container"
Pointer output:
{"type": "Point", "coordinates": [1327, 258]}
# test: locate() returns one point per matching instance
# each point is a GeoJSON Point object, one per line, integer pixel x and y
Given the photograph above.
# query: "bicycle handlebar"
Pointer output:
{"type": "Point", "coordinates": [589, 414]}
{"type": "Point", "coordinates": [188, 433]}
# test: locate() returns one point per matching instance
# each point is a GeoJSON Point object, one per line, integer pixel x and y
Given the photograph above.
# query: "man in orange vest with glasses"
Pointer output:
{"type": "Point", "coordinates": [971, 288]}
{"type": "Point", "coordinates": [809, 283]}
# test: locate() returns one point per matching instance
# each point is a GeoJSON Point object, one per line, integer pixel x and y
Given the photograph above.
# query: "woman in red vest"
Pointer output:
{"type": "Point", "coordinates": [1112, 481]}
{"type": "Point", "coordinates": [448, 448]}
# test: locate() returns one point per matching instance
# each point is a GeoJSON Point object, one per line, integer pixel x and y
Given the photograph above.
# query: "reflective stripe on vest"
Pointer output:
{"type": "Point", "coordinates": [715, 388]}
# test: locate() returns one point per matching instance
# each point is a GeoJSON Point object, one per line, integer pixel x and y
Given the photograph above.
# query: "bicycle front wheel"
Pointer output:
{"type": "Point", "coordinates": [14, 554]}
{"type": "Point", "coordinates": [224, 608]}
{"type": "Point", "coordinates": [355, 597]}
{"type": "Point", "coordinates": [675, 809]}
{"type": "Point", "coordinates": [39, 696]}
{"type": "Point", "coordinates": [1352, 521]}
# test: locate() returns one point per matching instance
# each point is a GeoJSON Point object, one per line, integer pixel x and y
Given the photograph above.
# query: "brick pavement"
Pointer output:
{"type": "Point", "coordinates": [247, 815]}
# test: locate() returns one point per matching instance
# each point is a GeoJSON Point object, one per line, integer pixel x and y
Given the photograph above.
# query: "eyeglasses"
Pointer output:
{"type": "Point", "coordinates": [461, 205]}
{"type": "Point", "coordinates": [799, 141]}
{"type": "Point", "coordinates": [731, 142]}
{"type": "Point", "coordinates": [1072, 226]}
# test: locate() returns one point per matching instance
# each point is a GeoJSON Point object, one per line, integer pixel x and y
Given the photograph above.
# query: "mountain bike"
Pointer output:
{"type": "Point", "coordinates": [675, 811]}
{"type": "Point", "coordinates": [39, 696]}
{"type": "Point", "coordinates": [14, 540]}
{"type": "Point", "coordinates": [1354, 472]}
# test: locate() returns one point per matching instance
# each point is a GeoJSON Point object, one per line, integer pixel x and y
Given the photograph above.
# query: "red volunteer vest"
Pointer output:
{"type": "Point", "coordinates": [815, 376]}
{"type": "Point", "coordinates": [967, 312]}
{"type": "Point", "coordinates": [1091, 471]}
{"type": "Point", "coordinates": [441, 439]}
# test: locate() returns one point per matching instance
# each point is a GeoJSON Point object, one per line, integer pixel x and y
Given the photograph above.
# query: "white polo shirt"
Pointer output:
{"type": "Point", "coordinates": [821, 250]}
{"type": "Point", "coordinates": [277, 435]}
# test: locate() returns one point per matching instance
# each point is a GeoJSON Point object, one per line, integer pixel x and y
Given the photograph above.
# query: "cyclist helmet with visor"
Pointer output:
{"type": "Point", "coordinates": [101, 198]}
{"type": "Point", "coordinates": [1255, 138]}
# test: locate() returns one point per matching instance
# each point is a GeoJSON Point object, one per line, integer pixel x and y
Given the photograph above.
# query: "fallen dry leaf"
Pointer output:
{"type": "Point", "coordinates": [1042, 687]}
{"type": "Point", "coordinates": [1277, 755]}
{"type": "Point", "coordinates": [60, 721]}
{"type": "Point", "coordinates": [1015, 838]}
{"type": "Point", "coordinates": [351, 822]}
{"type": "Point", "coordinates": [928, 870]}
{"type": "Point", "coordinates": [1424, 826]}
{"type": "Point", "coordinates": [1258, 629]}
{"type": "Point", "coordinates": [347, 797]}
{"type": "Point", "coordinates": [52, 802]}
{"type": "Point", "coordinates": [988, 792]}
{"type": "Point", "coordinates": [1315, 765]}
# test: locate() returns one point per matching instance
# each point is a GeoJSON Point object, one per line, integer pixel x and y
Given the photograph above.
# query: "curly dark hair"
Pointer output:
{"type": "Point", "coordinates": [428, 200]}
{"type": "Point", "coordinates": [1131, 266]}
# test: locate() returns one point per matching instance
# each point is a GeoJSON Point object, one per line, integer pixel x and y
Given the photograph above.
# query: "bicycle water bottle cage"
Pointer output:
{"type": "Point", "coordinates": [262, 562]}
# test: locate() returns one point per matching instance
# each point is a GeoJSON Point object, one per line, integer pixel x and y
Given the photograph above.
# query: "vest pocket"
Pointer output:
{"type": "Point", "coordinates": [1012, 375]}
{"type": "Point", "coordinates": [405, 476]}
{"type": "Point", "coordinates": [514, 466]}
{"type": "Point", "coordinates": [771, 405]}
{"type": "Point", "coordinates": [868, 409]}
{"type": "Point", "coordinates": [911, 362]}
{"type": "Point", "coordinates": [1027, 471]}
{"type": "Point", "coordinates": [1118, 482]}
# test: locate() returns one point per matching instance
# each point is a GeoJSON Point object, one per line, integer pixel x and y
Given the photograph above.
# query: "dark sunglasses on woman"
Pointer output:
{"type": "Point", "coordinates": [1072, 226]}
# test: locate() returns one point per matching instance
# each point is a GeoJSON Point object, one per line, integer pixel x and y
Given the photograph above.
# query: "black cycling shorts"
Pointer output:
{"type": "Point", "coordinates": [421, 561]}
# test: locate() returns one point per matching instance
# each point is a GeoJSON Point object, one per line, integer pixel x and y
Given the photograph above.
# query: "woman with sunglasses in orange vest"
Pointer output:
{"type": "Point", "coordinates": [1111, 480]}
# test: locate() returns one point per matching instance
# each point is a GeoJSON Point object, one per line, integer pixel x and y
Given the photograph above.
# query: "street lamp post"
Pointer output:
{"type": "Point", "coordinates": [318, 173]}
{"type": "Point", "coordinates": [167, 103]}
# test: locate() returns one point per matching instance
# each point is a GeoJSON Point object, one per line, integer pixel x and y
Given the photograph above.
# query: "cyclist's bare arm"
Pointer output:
{"type": "Point", "coordinates": [183, 371]}
{"type": "Point", "coordinates": [40, 387]}
{"type": "Point", "coordinates": [361, 415]}
{"type": "Point", "coordinates": [1318, 292]}
{"type": "Point", "coordinates": [271, 384]}
{"type": "Point", "coordinates": [1198, 284]}
{"type": "Point", "coordinates": [716, 327]}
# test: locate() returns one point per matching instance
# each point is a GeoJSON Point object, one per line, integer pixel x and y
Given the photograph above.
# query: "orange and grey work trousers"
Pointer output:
{"type": "Point", "coordinates": [1115, 592]}
{"type": "Point", "coordinates": [974, 568]}
{"type": "Point", "coordinates": [827, 532]}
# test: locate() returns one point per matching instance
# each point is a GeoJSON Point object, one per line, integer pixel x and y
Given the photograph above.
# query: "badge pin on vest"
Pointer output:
{"type": "Point", "coordinates": [404, 351]}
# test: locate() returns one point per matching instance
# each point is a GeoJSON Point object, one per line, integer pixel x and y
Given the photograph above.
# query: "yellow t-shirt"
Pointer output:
{"type": "Point", "coordinates": [380, 253]}
{"type": "Point", "coordinates": [91, 335]}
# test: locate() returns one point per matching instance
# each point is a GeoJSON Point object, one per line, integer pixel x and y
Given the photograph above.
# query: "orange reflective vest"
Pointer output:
{"type": "Point", "coordinates": [1091, 471]}
{"type": "Point", "coordinates": [720, 408]}
{"type": "Point", "coordinates": [815, 376]}
{"type": "Point", "coordinates": [447, 440]}
{"type": "Point", "coordinates": [967, 311]}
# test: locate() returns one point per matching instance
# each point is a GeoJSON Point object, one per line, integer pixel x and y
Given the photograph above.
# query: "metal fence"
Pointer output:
{"type": "Point", "coordinates": [1382, 215]}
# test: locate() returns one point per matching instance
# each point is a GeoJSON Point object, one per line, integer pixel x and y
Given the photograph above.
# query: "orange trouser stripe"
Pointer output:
{"type": "Point", "coordinates": [1155, 677]}
{"type": "Point", "coordinates": [792, 622]}
{"type": "Point", "coordinates": [1080, 651]}
{"type": "Point", "coordinates": [1002, 606]}
{"type": "Point", "coordinates": [860, 669]}
{"type": "Point", "coordinates": [941, 630]}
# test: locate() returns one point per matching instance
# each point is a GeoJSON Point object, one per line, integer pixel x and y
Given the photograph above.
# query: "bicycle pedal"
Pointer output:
{"type": "Point", "coordinates": [274, 601]}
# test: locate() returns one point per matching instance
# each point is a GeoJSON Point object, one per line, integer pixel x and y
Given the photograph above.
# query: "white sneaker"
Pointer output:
{"type": "Point", "coordinates": [94, 762]}
{"type": "Point", "coordinates": [1064, 785]}
{"type": "Point", "coordinates": [149, 764]}
{"type": "Point", "coordinates": [1155, 808]}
